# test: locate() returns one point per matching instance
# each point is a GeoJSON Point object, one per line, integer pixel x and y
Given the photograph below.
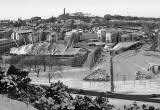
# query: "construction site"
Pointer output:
{"type": "Point", "coordinates": [106, 59]}
{"type": "Point", "coordinates": [120, 61]}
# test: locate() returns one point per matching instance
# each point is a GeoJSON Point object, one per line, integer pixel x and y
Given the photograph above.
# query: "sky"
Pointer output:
{"type": "Point", "coordinates": [24, 9]}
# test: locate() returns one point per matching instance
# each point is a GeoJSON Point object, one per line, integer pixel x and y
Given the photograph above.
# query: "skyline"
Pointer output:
{"type": "Point", "coordinates": [24, 9]}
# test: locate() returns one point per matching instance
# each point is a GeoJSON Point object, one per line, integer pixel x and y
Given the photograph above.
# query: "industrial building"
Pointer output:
{"type": "Point", "coordinates": [20, 34]}
{"type": "Point", "coordinates": [50, 53]}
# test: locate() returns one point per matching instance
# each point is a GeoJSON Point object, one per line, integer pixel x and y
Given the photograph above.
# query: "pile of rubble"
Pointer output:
{"type": "Point", "coordinates": [38, 49]}
{"type": "Point", "coordinates": [98, 75]}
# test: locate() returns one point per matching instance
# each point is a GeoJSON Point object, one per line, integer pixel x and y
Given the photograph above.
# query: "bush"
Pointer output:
{"type": "Point", "coordinates": [15, 82]}
{"type": "Point", "coordinates": [7, 85]}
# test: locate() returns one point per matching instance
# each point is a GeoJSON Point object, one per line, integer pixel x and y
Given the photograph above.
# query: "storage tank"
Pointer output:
{"type": "Point", "coordinates": [42, 36]}
{"type": "Point", "coordinates": [103, 35]}
{"type": "Point", "coordinates": [108, 37]}
{"type": "Point", "coordinates": [76, 37]}
{"type": "Point", "coordinates": [155, 69]}
{"type": "Point", "coordinates": [52, 37]}
{"type": "Point", "coordinates": [68, 37]}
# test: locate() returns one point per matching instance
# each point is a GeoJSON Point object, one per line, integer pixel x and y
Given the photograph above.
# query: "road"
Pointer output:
{"type": "Point", "coordinates": [128, 63]}
{"type": "Point", "coordinates": [143, 98]}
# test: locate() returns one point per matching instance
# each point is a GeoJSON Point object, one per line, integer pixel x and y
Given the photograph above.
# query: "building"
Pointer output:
{"type": "Point", "coordinates": [108, 35]}
{"type": "Point", "coordinates": [131, 37]}
{"type": "Point", "coordinates": [21, 34]}
{"type": "Point", "coordinates": [71, 37]}
{"type": "Point", "coordinates": [49, 52]}
{"type": "Point", "coordinates": [52, 37]}
{"type": "Point", "coordinates": [35, 19]}
{"type": "Point", "coordinates": [112, 37]}
{"type": "Point", "coordinates": [126, 37]}
{"type": "Point", "coordinates": [7, 44]}
{"type": "Point", "coordinates": [5, 34]}
{"type": "Point", "coordinates": [124, 46]}
{"type": "Point", "coordinates": [102, 35]}
{"type": "Point", "coordinates": [37, 36]}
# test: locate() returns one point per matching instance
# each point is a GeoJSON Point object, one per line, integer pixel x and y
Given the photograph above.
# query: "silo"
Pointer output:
{"type": "Point", "coordinates": [54, 36]}
{"type": "Point", "coordinates": [103, 35]}
{"type": "Point", "coordinates": [76, 37]}
{"type": "Point", "coordinates": [155, 69]}
{"type": "Point", "coordinates": [42, 36]}
{"type": "Point", "coordinates": [108, 37]}
{"type": "Point", "coordinates": [68, 37]}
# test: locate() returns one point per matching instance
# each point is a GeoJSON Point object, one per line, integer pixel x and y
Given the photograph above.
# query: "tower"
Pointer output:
{"type": "Point", "coordinates": [64, 11]}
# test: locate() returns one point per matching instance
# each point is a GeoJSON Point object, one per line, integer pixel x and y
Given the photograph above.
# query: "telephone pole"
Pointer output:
{"type": "Point", "coordinates": [111, 72]}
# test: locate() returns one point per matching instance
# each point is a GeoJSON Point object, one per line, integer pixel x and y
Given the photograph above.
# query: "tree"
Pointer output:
{"type": "Point", "coordinates": [19, 78]}
{"type": "Point", "coordinates": [62, 99]}
{"type": "Point", "coordinates": [51, 20]}
{"type": "Point", "coordinates": [64, 16]}
{"type": "Point", "coordinates": [107, 17]}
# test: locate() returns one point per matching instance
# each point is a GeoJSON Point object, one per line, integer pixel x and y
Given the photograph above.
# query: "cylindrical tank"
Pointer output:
{"type": "Point", "coordinates": [76, 37]}
{"type": "Point", "coordinates": [68, 37]}
{"type": "Point", "coordinates": [54, 36]}
{"type": "Point", "coordinates": [155, 69]}
{"type": "Point", "coordinates": [103, 35]}
{"type": "Point", "coordinates": [108, 37]}
{"type": "Point", "coordinates": [42, 36]}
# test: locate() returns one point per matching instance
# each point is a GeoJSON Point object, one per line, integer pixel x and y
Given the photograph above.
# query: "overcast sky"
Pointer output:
{"type": "Point", "coordinates": [13, 9]}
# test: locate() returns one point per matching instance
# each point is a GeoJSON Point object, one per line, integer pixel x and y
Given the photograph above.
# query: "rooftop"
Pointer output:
{"type": "Point", "coordinates": [123, 45]}
{"type": "Point", "coordinates": [24, 31]}
{"type": "Point", "coordinates": [71, 51]}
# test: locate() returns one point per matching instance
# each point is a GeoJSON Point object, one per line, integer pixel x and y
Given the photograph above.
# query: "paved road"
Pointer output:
{"type": "Point", "coordinates": [144, 98]}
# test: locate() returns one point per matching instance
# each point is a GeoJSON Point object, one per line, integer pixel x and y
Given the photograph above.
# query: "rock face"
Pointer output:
{"type": "Point", "coordinates": [98, 75]}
